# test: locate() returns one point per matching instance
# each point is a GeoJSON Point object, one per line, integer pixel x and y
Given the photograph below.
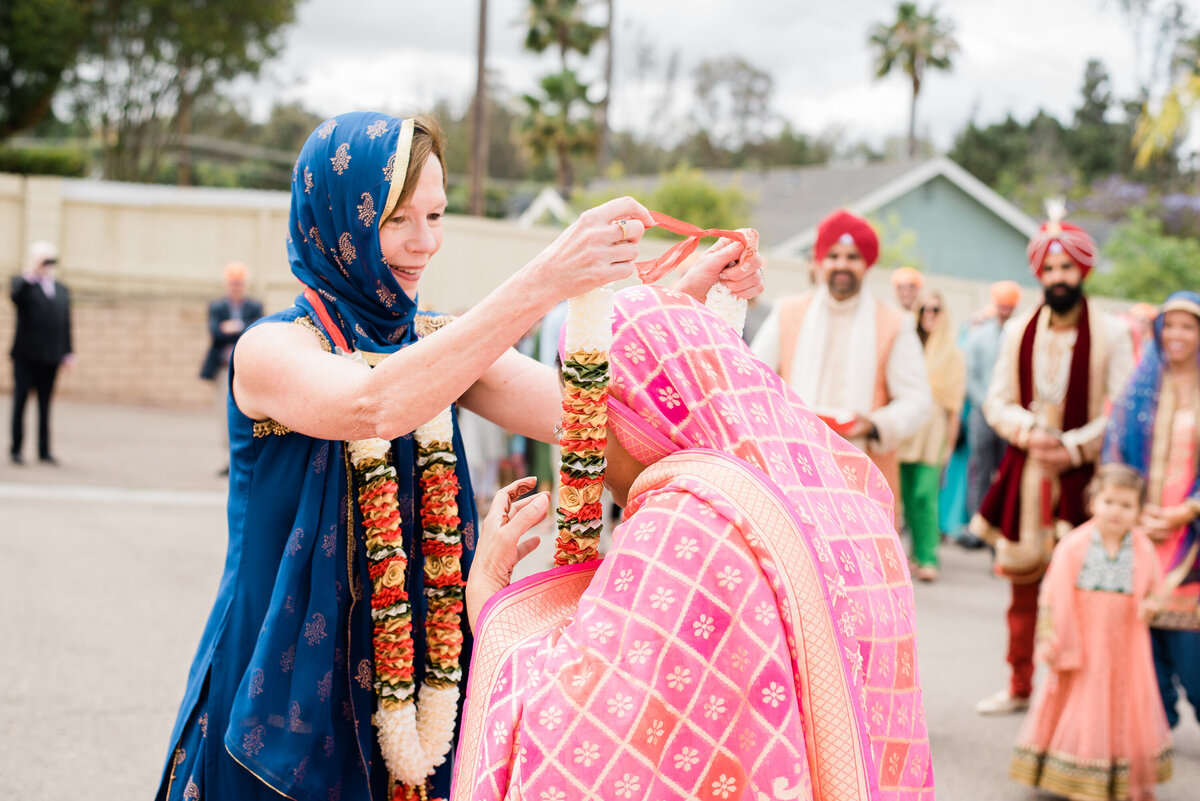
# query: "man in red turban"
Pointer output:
{"type": "Point", "coordinates": [855, 360]}
{"type": "Point", "coordinates": [1057, 365]}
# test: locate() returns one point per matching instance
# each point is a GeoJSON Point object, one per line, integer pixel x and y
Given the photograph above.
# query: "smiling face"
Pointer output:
{"type": "Point", "coordinates": [1180, 338]}
{"type": "Point", "coordinates": [842, 270]}
{"type": "Point", "coordinates": [413, 232]}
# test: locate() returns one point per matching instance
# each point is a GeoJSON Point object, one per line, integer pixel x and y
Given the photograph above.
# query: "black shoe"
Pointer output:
{"type": "Point", "coordinates": [16, 458]}
{"type": "Point", "coordinates": [971, 542]}
{"type": "Point", "coordinates": [50, 460]}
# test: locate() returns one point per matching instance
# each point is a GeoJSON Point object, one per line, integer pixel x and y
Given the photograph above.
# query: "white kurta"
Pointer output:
{"type": "Point", "coordinates": [844, 379]}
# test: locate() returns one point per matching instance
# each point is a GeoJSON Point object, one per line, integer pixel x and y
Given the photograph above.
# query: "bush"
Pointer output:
{"type": "Point", "coordinates": [43, 161]}
{"type": "Point", "coordinates": [1146, 263]}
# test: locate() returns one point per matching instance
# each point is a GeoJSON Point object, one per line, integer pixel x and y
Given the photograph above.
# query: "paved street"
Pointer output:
{"type": "Point", "coordinates": [109, 563]}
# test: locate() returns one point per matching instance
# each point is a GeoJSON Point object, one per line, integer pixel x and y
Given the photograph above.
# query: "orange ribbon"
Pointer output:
{"type": "Point", "coordinates": [654, 269]}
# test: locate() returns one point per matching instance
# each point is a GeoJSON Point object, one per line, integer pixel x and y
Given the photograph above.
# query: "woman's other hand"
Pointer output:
{"type": "Point", "coordinates": [597, 249]}
{"type": "Point", "coordinates": [720, 263]}
{"type": "Point", "coordinates": [500, 542]}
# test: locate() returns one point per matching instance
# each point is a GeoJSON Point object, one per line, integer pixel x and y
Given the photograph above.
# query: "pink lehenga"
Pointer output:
{"type": "Point", "coordinates": [1096, 728]}
{"type": "Point", "coordinates": [750, 634]}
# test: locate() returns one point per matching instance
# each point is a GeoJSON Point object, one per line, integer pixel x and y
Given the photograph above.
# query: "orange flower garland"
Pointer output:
{"type": "Point", "coordinates": [414, 737]}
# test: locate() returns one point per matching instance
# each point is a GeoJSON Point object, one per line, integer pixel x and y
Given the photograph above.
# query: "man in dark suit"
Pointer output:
{"type": "Point", "coordinates": [228, 317]}
{"type": "Point", "coordinates": [42, 343]}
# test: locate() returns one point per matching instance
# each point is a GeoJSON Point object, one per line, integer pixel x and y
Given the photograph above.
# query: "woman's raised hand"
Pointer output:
{"type": "Point", "coordinates": [500, 542]}
{"type": "Point", "coordinates": [723, 262]}
{"type": "Point", "coordinates": [597, 249]}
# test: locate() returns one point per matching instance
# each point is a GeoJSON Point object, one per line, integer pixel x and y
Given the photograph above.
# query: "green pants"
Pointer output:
{"type": "Point", "coordinates": [919, 489]}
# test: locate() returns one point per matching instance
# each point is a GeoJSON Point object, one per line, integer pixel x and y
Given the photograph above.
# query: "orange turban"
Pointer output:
{"type": "Point", "coordinates": [842, 226]}
{"type": "Point", "coordinates": [907, 275]}
{"type": "Point", "coordinates": [1056, 237]}
{"type": "Point", "coordinates": [1146, 311]}
{"type": "Point", "coordinates": [1005, 293]}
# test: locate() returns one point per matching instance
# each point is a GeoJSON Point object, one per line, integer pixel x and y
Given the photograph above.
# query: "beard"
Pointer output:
{"type": "Point", "coordinates": [1061, 298]}
{"type": "Point", "coordinates": [842, 284]}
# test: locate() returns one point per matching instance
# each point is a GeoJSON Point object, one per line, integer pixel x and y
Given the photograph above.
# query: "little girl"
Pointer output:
{"type": "Point", "coordinates": [1096, 729]}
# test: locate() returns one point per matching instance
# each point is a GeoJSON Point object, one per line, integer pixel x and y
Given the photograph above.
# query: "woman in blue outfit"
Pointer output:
{"type": "Point", "coordinates": [1155, 429]}
{"type": "Point", "coordinates": [282, 692]}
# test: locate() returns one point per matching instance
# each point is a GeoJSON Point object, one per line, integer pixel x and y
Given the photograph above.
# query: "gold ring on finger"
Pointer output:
{"type": "Point", "coordinates": [624, 234]}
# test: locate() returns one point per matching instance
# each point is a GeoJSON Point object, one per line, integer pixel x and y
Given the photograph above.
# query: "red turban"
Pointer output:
{"type": "Point", "coordinates": [1055, 237]}
{"type": "Point", "coordinates": [842, 226]}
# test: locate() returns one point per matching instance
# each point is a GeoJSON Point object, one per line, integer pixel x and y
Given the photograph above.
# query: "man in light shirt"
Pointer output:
{"type": "Point", "coordinates": [855, 360]}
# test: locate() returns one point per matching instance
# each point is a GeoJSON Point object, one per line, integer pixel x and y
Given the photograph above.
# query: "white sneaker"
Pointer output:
{"type": "Point", "coordinates": [1001, 703]}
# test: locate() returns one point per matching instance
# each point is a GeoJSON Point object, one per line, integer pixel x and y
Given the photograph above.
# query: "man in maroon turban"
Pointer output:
{"type": "Point", "coordinates": [854, 359]}
{"type": "Point", "coordinates": [1057, 365]}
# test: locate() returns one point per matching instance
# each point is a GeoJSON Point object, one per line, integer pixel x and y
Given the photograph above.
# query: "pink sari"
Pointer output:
{"type": "Point", "coordinates": [751, 632]}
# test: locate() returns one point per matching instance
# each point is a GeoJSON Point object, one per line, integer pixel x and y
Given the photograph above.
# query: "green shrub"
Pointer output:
{"type": "Point", "coordinates": [43, 161]}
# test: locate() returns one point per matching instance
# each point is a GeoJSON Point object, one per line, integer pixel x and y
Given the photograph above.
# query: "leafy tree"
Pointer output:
{"type": "Point", "coordinates": [913, 43]}
{"type": "Point", "coordinates": [561, 121]}
{"type": "Point", "coordinates": [1096, 145]}
{"type": "Point", "coordinates": [1146, 263]}
{"type": "Point", "coordinates": [733, 101]}
{"type": "Point", "coordinates": [685, 194]}
{"type": "Point", "coordinates": [148, 62]}
{"type": "Point", "coordinates": [39, 41]}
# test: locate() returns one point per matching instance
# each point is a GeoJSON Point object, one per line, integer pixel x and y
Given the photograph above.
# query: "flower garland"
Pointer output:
{"type": "Point", "coordinates": [585, 375]}
{"type": "Point", "coordinates": [414, 737]}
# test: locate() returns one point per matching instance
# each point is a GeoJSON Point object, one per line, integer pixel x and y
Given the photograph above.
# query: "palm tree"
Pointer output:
{"type": "Point", "coordinates": [1157, 134]}
{"type": "Point", "coordinates": [562, 120]}
{"type": "Point", "coordinates": [912, 43]}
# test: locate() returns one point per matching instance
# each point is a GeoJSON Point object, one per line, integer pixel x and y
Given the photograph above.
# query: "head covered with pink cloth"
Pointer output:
{"type": "Point", "coordinates": [683, 379]}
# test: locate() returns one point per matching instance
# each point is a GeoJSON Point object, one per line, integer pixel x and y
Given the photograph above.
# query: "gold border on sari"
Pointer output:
{"type": "Point", "coordinates": [399, 168]}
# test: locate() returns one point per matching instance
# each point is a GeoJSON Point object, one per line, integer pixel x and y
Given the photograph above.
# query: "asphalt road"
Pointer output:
{"type": "Point", "coordinates": [109, 564]}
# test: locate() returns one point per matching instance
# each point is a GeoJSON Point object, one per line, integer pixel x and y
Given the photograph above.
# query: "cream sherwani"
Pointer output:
{"type": "Point", "coordinates": [1111, 360]}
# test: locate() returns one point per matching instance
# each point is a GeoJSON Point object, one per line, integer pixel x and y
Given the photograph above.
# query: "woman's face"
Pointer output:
{"type": "Point", "coordinates": [621, 471]}
{"type": "Point", "coordinates": [929, 314]}
{"type": "Point", "coordinates": [413, 233]}
{"type": "Point", "coordinates": [1180, 337]}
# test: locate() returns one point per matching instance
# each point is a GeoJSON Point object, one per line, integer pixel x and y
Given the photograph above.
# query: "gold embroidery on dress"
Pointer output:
{"type": "Point", "coordinates": [426, 324]}
{"type": "Point", "coordinates": [268, 427]}
{"type": "Point", "coordinates": [346, 245]}
{"type": "Point", "coordinates": [389, 168]}
{"type": "Point", "coordinates": [341, 159]}
{"type": "Point", "coordinates": [308, 180]}
{"type": "Point", "coordinates": [377, 129]}
{"type": "Point", "coordinates": [366, 209]}
{"type": "Point", "coordinates": [327, 129]}
{"type": "Point", "coordinates": [305, 322]}
{"type": "Point", "coordinates": [315, 236]}
{"type": "Point", "coordinates": [384, 294]}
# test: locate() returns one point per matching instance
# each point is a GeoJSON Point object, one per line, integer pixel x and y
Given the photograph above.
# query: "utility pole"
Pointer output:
{"type": "Point", "coordinates": [479, 139]}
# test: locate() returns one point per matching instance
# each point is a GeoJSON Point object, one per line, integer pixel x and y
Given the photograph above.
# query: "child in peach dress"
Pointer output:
{"type": "Point", "coordinates": [1096, 729]}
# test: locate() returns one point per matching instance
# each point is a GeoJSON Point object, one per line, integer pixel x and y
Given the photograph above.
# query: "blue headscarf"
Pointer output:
{"type": "Point", "coordinates": [1130, 436]}
{"type": "Point", "coordinates": [346, 174]}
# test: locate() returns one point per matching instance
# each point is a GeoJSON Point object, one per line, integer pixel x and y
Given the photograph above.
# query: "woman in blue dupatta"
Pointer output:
{"type": "Point", "coordinates": [320, 623]}
{"type": "Point", "coordinates": [1154, 430]}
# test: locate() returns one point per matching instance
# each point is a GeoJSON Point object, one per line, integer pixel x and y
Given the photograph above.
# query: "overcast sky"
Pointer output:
{"type": "Point", "coordinates": [1016, 56]}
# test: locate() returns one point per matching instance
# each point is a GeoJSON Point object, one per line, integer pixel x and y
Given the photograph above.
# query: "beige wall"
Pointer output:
{"type": "Point", "coordinates": [142, 262]}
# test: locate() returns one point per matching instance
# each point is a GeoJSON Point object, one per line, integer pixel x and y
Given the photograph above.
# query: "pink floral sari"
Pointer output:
{"type": "Point", "coordinates": [751, 632]}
